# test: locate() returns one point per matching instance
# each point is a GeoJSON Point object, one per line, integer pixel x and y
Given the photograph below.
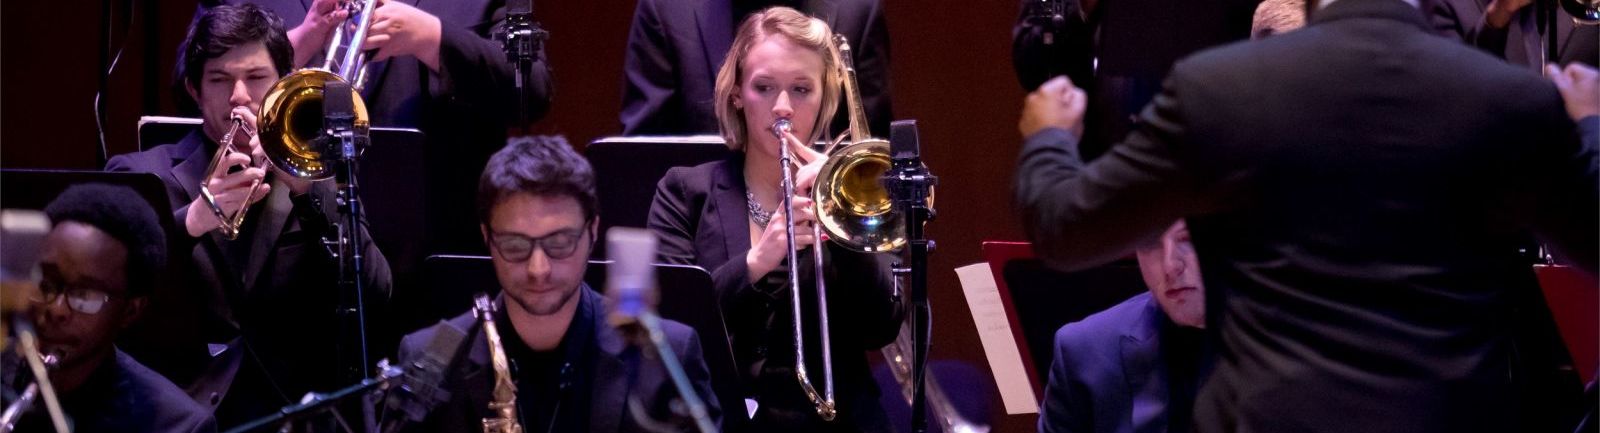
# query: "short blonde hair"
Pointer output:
{"type": "Point", "coordinates": [800, 29]}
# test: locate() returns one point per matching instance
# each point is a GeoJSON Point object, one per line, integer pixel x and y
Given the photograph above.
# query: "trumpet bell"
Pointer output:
{"type": "Point", "coordinates": [291, 125]}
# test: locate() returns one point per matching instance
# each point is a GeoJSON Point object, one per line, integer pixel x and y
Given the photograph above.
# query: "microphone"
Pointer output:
{"type": "Point", "coordinates": [419, 388]}
{"type": "Point", "coordinates": [523, 40]}
{"type": "Point", "coordinates": [631, 284]}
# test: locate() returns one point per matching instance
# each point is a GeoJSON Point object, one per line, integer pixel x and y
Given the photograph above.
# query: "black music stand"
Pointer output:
{"type": "Point", "coordinates": [627, 170]}
{"type": "Point", "coordinates": [686, 297]}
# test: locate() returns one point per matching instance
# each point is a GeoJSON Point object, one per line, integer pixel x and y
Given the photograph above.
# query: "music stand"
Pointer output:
{"type": "Point", "coordinates": [686, 297]}
{"type": "Point", "coordinates": [627, 170]}
{"type": "Point", "coordinates": [158, 130]}
{"type": "Point", "coordinates": [1039, 300]}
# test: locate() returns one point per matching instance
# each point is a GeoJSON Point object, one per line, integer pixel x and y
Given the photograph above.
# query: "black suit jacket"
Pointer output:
{"type": "Point", "coordinates": [676, 48]}
{"type": "Point", "coordinates": [463, 109]}
{"type": "Point", "coordinates": [121, 395]}
{"type": "Point", "coordinates": [606, 385]}
{"type": "Point", "coordinates": [1520, 42]}
{"type": "Point", "coordinates": [270, 295]}
{"type": "Point", "coordinates": [1352, 189]}
{"type": "Point", "coordinates": [701, 217]}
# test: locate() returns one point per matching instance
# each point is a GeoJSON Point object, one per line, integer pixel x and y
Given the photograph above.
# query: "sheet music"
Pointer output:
{"type": "Point", "coordinates": [999, 343]}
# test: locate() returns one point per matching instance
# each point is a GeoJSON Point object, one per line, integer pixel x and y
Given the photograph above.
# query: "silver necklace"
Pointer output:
{"type": "Point", "coordinates": [757, 214]}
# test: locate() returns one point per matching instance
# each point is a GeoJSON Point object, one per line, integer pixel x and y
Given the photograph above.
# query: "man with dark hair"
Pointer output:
{"type": "Point", "coordinates": [1352, 188]}
{"type": "Point", "coordinates": [537, 212]}
{"type": "Point", "coordinates": [100, 265]}
{"type": "Point", "coordinates": [1135, 366]}
{"type": "Point", "coordinates": [272, 294]}
{"type": "Point", "coordinates": [439, 67]}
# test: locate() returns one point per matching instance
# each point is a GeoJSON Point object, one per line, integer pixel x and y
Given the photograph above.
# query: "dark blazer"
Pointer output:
{"type": "Point", "coordinates": [1520, 42]}
{"type": "Point", "coordinates": [1352, 189]}
{"type": "Point", "coordinates": [676, 48]}
{"type": "Point", "coordinates": [1121, 51]}
{"type": "Point", "coordinates": [701, 217]}
{"type": "Point", "coordinates": [471, 381]}
{"type": "Point", "coordinates": [124, 396]}
{"type": "Point", "coordinates": [464, 109]}
{"type": "Point", "coordinates": [1108, 376]}
{"type": "Point", "coordinates": [270, 295]}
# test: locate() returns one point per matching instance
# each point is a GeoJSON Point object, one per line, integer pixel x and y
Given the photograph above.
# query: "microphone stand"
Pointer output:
{"type": "Point", "coordinates": [523, 40]}
{"type": "Point", "coordinates": [651, 325]}
{"type": "Point", "coordinates": [909, 182]}
{"type": "Point", "coordinates": [321, 402]}
{"type": "Point", "coordinates": [339, 123]}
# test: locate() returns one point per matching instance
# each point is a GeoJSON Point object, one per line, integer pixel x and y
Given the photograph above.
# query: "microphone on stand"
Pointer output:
{"type": "Point", "coordinates": [631, 283]}
{"type": "Point", "coordinates": [523, 40]}
{"type": "Point", "coordinates": [418, 391]}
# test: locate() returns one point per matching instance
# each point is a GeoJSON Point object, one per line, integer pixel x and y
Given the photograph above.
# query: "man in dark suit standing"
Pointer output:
{"type": "Point", "coordinates": [1352, 219]}
{"type": "Point", "coordinates": [676, 47]}
{"type": "Point", "coordinates": [437, 68]}
{"type": "Point", "coordinates": [271, 296]}
{"type": "Point", "coordinates": [573, 371]}
{"type": "Point", "coordinates": [1134, 367]}
{"type": "Point", "coordinates": [100, 263]}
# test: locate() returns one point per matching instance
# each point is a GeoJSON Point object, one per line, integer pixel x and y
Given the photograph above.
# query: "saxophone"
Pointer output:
{"type": "Point", "coordinates": [504, 403]}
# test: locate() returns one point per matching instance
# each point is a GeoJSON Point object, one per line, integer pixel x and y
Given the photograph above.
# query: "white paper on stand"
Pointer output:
{"type": "Point", "coordinates": [999, 341]}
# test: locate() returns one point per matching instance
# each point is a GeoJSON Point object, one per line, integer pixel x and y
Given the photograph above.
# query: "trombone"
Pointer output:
{"type": "Point", "coordinates": [229, 223]}
{"type": "Point", "coordinates": [292, 133]}
{"type": "Point", "coordinates": [856, 212]}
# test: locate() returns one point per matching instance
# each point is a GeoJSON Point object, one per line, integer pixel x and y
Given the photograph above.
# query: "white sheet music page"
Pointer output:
{"type": "Point", "coordinates": [999, 344]}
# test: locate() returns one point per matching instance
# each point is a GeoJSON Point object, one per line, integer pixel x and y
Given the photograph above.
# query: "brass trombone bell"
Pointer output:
{"type": "Point", "coordinates": [292, 133]}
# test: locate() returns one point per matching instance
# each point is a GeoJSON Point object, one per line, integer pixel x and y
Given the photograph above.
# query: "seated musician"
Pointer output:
{"type": "Point", "coordinates": [100, 264]}
{"type": "Point", "coordinates": [271, 295]}
{"type": "Point", "coordinates": [1133, 367]}
{"type": "Point", "coordinates": [573, 372]}
{"type": "Point", "coordinates": [724, 216]}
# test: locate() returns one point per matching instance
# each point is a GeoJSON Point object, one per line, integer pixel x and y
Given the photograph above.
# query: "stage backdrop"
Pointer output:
{"type": "Point", "coordinates": [950, 70]}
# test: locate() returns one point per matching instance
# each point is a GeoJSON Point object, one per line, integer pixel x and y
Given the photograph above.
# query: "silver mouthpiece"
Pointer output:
{"type": "Point", "coordinates": [781, 126]}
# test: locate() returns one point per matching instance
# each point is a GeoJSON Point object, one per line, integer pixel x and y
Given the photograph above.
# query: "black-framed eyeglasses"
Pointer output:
{"type": "Point", "coordinates": [81, 299]}
{"type": "Point", "coordinates": [516, 248]}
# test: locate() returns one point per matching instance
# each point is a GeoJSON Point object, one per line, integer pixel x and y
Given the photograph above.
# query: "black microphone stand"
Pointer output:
{"type": "Point", "coordinates": [339, 117]}
{"type": "Point", "coordinates": [523, 40]}
{"type": "Point", "coordinates": [909, 182]}
{"type": "Point", "coordinates": [321, 402]}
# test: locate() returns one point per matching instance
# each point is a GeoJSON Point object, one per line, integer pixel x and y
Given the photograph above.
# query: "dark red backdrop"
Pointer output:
{"type": "Point", "coordinates": [951, 70]}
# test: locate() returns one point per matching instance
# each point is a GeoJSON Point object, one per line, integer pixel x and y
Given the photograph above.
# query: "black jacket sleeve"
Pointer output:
{"type": "Point", "coordinates": [1080, 215]}
{"type": "Point", "coordinates": [1466, 20]}
{"type": "Point", "coordinates": [650, 77]}
{"type": "Point", "coordinates": [474, 71]}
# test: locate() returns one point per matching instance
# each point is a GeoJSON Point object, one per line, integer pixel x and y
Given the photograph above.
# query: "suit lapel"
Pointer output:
{"type": "Point", "coordinates": [728, 199]}
{"type": "Point", "coordinates": [269, 225]}
{"type": "Point", "coordinates": [1147, 390]}
{"type": "Point", "coordinates": [610, 377]}
{"type": "Point", "coordinates": [715, 19]}
{"type": "Point", "coordinates": [192, 169]}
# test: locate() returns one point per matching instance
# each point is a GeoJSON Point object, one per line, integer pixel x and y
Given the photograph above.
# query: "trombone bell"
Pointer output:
{"type": "Point", "coordinates": [291, 125]}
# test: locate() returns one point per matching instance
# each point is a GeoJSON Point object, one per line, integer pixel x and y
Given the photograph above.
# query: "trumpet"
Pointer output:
{"type": "Point", "coordinates": [229, 223]}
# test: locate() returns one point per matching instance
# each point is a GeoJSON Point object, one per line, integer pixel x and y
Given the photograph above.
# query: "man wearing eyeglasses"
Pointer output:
{"type": "Point", "coordinates": [99, 266]}
{"type": "Point", "coordinates": [537, 211]}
